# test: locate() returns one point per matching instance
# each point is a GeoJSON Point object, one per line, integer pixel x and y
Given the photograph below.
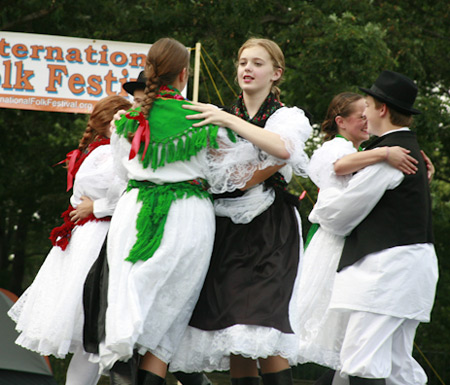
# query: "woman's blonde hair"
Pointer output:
{"type": "Point", "coordinates": [276, 55]}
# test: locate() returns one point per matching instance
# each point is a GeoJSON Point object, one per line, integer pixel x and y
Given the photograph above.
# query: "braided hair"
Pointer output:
{"type": "Point", "coordinates": [101, 116]}
{"type": "Point", "coordinates": [166, 59]}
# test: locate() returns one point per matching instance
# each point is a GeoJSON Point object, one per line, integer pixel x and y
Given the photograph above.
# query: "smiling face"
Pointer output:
{"type": "Point", "coordinates": [256, 72]}
{"type": "Point", "coordinates": [354, 126]}
{"type": "Point", "coordinates": [373, 116]}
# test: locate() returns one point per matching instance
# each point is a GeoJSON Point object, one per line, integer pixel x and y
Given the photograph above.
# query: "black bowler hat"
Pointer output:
{"type": "Point", "coordinates": [396, 90]}
{"type": "Point", "coordinates": [139, 84]}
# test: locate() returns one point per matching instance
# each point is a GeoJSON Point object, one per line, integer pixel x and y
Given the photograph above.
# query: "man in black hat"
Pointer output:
{"type": "Point", "coordinates": [387, 274]}
{"type": "Point", "coordinates": [136, 89]}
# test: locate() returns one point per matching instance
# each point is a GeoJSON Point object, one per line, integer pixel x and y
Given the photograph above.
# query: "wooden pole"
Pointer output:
{"type": "Point", "coordinates": [198, 48]}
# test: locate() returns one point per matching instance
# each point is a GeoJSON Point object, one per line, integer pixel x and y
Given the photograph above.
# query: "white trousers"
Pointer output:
{"type": "Point", "coordinates": [380, 346]}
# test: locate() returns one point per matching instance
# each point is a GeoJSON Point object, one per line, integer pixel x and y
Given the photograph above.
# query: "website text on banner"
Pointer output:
{"type": "Point", "coordinates": [64, 74]}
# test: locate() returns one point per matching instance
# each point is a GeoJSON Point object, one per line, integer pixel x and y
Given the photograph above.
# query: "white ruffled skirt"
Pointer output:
{"type": "Point", "coordinates": [319, 329]}
{"type": "Point", "coordinates": [150, 302]}
{"type": "Point", "coordinates": [49, 315]}
{"type": "Point", "coordinates": [208, 351]}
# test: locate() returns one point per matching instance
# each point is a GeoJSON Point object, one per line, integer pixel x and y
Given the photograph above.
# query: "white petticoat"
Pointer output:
{"type": "Point", "coordinates": [311, 322]}
{"type": "Point", "coordinates": [50, 314]}
{"type": "Point", "coordinates": [150, 302]}
{"type": "Point", "coordinates": [211, 350]}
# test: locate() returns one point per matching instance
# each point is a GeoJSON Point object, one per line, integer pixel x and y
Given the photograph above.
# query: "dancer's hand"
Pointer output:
{"type": "Point", "coordinates": [270, 142]}
{"type": "Point", "coordinates": [117, 116]}
{"type": "Point", "coordinates": [430, 166]}
{"type": "Point", "coordinates": [398, 157]}
{"type": "Point", "coordinates": [209, 113]}
{"type": "Point", "coordinates": [83, 210]}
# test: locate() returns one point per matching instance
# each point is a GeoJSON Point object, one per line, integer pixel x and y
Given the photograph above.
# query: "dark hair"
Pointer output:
{"type": "Point", "coordinates": [101, 116]}
{"type": "Point", "coordinates": [396, 117]}
{"type": "Point", "coordinates": [165, 60]}
{"type": "Point", "coordinates": [341, 105]}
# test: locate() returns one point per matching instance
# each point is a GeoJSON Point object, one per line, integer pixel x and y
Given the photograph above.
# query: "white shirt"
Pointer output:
{"type": "Point", "coordinates": [399, 281]}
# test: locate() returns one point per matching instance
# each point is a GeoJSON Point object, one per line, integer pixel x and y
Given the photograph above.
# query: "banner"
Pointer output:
{"type": "Point", "coordinates": [64, 74]}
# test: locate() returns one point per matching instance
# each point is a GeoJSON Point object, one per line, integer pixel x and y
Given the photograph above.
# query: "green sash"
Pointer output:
{"type": "Point", "coordinates": [156, 201]}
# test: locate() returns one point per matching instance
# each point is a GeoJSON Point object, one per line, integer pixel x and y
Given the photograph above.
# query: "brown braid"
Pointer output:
{"type": "Point", "coordinates": [341, 105]}
{"type": "Point", "coordinates": [87, 138]}
{"type": "Point", "coordinates": [151, 88]}
{"type": "Point", "coordinates": [166, 59]}
{"type": "Point", "coordinates": [101, 116]}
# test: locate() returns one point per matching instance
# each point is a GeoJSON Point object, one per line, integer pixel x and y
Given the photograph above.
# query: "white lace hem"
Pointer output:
{"type": "Point", "coordinates": [208, 351]}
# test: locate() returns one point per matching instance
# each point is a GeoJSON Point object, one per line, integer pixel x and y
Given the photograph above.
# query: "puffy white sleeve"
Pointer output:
{"type": "Point", "coordinates": [294, 129]}
{"type": "Point", "coordinates": [232, 165]}
{"type": "Point", "coordinates": [120, 150]}
{"type": "Point", "coordinates": [339, 211]}
{"type": "Point", "coordinates": [97, 180]}
{"type": "Point", "coordinates": [105, 206]}
{"type": "Point", "coordinates": [321, 166]}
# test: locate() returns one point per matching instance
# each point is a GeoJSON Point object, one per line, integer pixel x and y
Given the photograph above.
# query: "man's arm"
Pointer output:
{"type": "Point", "coordinates": [340, 211]}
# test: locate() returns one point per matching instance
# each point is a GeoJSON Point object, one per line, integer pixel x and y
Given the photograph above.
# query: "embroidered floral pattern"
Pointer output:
{"type": "Point", "coordinates": [270, 105]}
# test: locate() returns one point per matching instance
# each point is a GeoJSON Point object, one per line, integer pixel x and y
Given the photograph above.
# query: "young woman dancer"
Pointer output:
{"type": "Point", "coordinates": [345, 129]}
{"type": "Point", "coordinates": [162, 231]}
{"type": "Point", "coordinates": [49, 315]}
{"type": "Point", "coordinates": [242, 317]}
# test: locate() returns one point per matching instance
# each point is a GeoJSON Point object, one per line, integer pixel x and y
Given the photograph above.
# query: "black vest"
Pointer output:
{"type": "Point", "coordinates": [401, 217]}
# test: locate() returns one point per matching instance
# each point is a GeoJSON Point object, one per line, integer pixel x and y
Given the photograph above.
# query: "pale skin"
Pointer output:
{"type": "Point", "coordinates": [256, 75]}
{"type": "Point", "coordinates": [354, 128]}
{"type": "Point", "coordinates": [379, 123]}
{"type": "Point", "coordinates": [83, 210]}
{"type": "Point", "coordinates": [138, 97]}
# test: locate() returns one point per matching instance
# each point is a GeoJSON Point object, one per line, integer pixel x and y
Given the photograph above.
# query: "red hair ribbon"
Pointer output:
{"type": "Point", "coordinates": [71, 158]}
{"type": "Point", "coordinates": [142, 135]}
{"type": "Point", "coordinates": [75, 158]}
{"type": "Point", "coordinates": [71, 161]}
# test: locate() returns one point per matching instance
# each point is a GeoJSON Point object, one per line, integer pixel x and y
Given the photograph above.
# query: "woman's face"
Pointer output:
{"type": "Point", "coordinates": [255, 72]}
{"type": "Point", "coordinates": [354, 126]}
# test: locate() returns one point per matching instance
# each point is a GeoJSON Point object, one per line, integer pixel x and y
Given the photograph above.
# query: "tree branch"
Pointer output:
{"type": "Point", "coordinates": [435, 34]}
{"type": "Point", "coordinates": [30, 17]}
{"type": "Point", "coordinates": [276, 20]}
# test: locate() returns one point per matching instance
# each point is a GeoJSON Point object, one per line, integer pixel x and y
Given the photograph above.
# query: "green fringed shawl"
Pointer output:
{"type": "Point", "coordinates": [172, 137]}
{"type": "Point", "coordinates": [156, 201]}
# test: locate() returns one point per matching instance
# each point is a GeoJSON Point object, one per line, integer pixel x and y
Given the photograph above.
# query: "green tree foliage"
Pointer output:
{"type": "Point", "coordinates": [329, 46]}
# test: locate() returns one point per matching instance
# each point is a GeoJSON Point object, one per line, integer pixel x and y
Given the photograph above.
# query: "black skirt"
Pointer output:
{"type": "Point", "coordinates": [252, 271]}
{"type": "Point", "coordinates": [95, 302]}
